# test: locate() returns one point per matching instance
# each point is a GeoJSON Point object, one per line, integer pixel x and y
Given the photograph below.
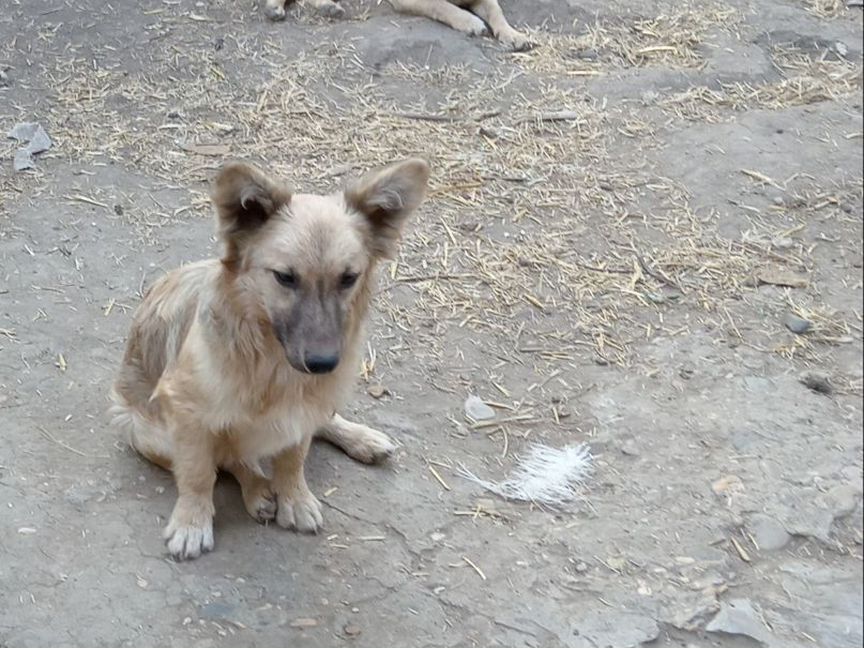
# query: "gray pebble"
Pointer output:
{"type": "Point", "coordinates": [797, 325]}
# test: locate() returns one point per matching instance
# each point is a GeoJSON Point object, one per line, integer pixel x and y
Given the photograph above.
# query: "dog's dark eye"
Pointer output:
{"type": "Point", "coordinates": [287, 279]}
{"type": "Point", "coordinates": [348, 279]}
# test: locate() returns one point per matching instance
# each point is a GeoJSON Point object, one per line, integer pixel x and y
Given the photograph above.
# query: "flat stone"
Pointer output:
{"type": "Point", "coordinates": [769, 534]}
{"type": "Point", "coordinates": [477, 410]}
{"type": "Point", "coordinates": [738, 617]}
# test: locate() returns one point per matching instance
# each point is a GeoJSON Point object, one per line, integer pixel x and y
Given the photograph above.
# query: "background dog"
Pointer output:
{"type": "Point", "coordinates": [468, 16]}
{"type": "Point", "coordinates": [234, 360]}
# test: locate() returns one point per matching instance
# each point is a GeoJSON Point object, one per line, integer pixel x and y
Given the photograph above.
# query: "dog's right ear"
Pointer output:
{"type": "Point", "coordinates": [245, 199]}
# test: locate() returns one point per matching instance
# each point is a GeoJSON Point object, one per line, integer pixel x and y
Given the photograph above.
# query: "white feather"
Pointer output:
{"type": "Point", "coordinates": [547, 476]}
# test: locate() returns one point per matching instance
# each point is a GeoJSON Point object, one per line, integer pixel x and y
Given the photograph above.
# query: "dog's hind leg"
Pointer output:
{"type": "Point", "coordinates": [444, 12]}
{"type": "Point", "coordinates": [490, 11]}
{"type": "Point", "coordinates": [149, 439]}
{"type": "Point", "coordinates": [359, 442]}
{"type": "Point", "coordinates": [257, 494]}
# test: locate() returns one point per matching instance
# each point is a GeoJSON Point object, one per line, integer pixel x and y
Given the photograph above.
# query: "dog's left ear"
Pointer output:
{"type": "Point", "coordinates": [386, 197]}
{"type": "Point", "coordinates": [245, 199]}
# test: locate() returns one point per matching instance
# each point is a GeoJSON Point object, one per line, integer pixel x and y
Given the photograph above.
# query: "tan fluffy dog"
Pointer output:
{"type": "Point", "coordinates": [468, 16]}
{"type": "Point", "coordinates": [248, 357]}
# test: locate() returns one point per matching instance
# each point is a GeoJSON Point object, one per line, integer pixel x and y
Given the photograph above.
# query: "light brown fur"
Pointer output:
{"type": "Point", "coordinates": [244, 358]}
{"type": "Point", "coordinates": [468, 16]}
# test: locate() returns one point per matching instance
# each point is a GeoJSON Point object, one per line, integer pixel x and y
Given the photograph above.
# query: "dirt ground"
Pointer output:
{"type": "Point", "coordinates": [622, 227]}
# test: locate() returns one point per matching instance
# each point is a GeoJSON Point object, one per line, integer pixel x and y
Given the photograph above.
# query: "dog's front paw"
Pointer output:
{"type": "Point", "coordinates": [187, 542]}
{"type": "Point", "coordinates": [190, 530]}
{"type": "Point", "coordinates": [300, 511]}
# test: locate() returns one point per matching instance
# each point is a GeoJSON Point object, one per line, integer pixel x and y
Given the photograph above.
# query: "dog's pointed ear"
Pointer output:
{"type": "Point", "coordinates": [245, 198]}
{"type": "Point", "coordinates": [386, 197]}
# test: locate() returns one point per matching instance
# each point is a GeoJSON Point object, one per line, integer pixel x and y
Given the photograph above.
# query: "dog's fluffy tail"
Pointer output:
{"type": "Point", "coordinates": [149, 438]}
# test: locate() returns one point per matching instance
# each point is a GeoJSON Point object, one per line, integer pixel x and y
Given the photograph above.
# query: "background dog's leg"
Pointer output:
{"type": "Point", "coordinates": [327, 8]}
{"type": "Point", "coordinates": [297, 507]}
{"type": "Point", "coordinates": [490, 11]}
{"type": "Point", "coordinates": [274, 9]}
{"type": "Point", "coordinates": [190, 530]}
{"type": "Point", "coordinates": [359, 442]}
{"type": "Point", "coordinates": [257, 494]}
{"type": "Point", "coordinates": [443, 12]}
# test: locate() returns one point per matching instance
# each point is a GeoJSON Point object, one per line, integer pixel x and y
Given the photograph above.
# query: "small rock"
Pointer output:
{"type": "Point", "coordinates": [588, 54]}
{"type": "Point", "coordinates": [581, 567]}
{"type": "Point", "coordinates": [797, 325]}
{"type": "Point", "coordinates": [782, 278]}
{"type": "Point", "coordinates": [769, 534]}
{"type": "Point", "coordinates": [4, 79]}
{"type": "Point", "coordinates": [477, 410]}
{"type": "Point", "coordinates": [630, 448]}
{"type": "Point", "coordinates": [377, 391]}
{"type": "Point", "coordinates": [817, 381]}
{"type": "Point", "coordinates": [34, 140]}
{"type": "Point", "coordinates": [842, 500]}
{"type": "Point", "coordinates": [841, 48]}
{"type": "Point", "coordinates": [728, 485]}
{"type": "Point", "coordinates": [738, 617]}
{"type": "Point", "coordinates": [783, 243]}
{"type": "Point", "coordinates": [351, 630]}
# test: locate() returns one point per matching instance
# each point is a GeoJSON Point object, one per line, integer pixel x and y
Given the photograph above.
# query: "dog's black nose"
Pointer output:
{"type": "Point", "coordinates": [321, 364]}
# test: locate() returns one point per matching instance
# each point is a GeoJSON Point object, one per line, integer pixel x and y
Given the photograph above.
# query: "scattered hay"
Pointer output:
{"type": "Point", "coordinates": [533, 236]}
{"type": "Point", "coordinates": [828, 9]}
{"type": "Point", "coordinates": [675, 40]}
{"type": "Point", "coordinates": [806, 81]}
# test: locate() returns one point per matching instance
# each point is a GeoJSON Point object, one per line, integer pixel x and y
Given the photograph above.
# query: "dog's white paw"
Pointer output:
{"type": "Point", "coordinates": [301, 511]}
{"type": "Point", "coordinates": [187, 542]}
{"type": "Point", "coordinates": [275, 12]}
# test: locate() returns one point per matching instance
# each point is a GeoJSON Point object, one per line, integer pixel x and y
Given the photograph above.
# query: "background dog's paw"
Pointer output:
{"type": "Point", "coordinates": [472, 25]}
{"type": "Point", "coordinates": [275, 12]}
{"type": "Point", "coordinates": [301, 512]}
{"type": "Point", "coordinates": [517, 42]}
{"type": "Point", "coordinates": [331, 10]}
{"type": "Point", "coordinates": [261, 504]}
{"type": "Point", "coordinates": [187, 542]}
